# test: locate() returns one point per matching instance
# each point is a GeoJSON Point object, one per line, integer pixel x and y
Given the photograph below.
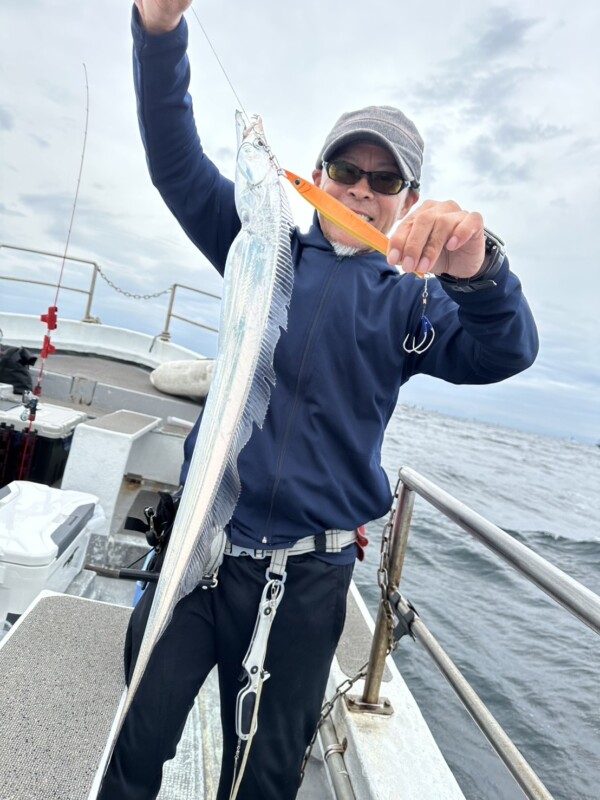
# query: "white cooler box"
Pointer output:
{"type": "Point", "coordinates": [44, 534]}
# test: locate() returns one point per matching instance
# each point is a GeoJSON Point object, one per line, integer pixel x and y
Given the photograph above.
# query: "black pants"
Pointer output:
{"type": "Point", "coordinates": [214, 627]}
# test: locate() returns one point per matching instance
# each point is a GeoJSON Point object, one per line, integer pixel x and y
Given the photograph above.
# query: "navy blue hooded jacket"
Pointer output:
{"type": "Point", "coordinates": [316, 463]}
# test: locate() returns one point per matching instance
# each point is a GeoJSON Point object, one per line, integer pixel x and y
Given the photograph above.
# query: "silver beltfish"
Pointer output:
{"type": "Point", "coordinates": [256, 296]}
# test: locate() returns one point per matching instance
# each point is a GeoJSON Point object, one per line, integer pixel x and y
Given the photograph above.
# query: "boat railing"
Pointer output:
{"type": "Point", "coordinates": [573, 596]}
{"type": "Point", "coordinates": [97, 271]}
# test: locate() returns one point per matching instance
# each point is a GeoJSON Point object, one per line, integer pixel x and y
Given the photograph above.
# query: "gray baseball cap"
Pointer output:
{"type": "Point", "coordinates": [384, 125]}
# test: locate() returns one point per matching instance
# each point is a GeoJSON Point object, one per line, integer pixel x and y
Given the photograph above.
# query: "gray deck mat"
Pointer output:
{"type": "Point", "coordinates": [50, 746]}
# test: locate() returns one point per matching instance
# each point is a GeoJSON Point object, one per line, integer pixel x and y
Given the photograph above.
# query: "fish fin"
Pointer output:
{"type": "Point", "coordinates": [257, 402]}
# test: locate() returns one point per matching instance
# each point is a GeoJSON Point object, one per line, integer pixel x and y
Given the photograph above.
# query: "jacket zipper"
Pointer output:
{"type": "Point", "coordinates": [307, 349]}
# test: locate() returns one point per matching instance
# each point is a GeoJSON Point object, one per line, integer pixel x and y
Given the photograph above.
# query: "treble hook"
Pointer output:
{"type": "Point", "coordinates": [427, 331]}
{"type": "Point", "coordinates": [427, 337]}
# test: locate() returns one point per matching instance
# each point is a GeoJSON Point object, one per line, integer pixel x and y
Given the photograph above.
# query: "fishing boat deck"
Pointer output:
{"type": "Point", "coordinates": [104, 370]}
{"type": "Point", "coordinates": [66, 710]}
{"type": "Point", "coordinates": [100, 387]}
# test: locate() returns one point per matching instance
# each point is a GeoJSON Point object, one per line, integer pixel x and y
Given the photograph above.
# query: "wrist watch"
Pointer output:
{"type": "Point", "coordinates": [483, 279]}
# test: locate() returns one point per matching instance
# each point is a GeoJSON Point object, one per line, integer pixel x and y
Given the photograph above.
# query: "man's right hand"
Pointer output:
{"type": "Point", "coordinates": [161, 16]}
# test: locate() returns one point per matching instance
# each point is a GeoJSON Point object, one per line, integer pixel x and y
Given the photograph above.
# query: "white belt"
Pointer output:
{"type": "Point", "coordinates": [334, 542]}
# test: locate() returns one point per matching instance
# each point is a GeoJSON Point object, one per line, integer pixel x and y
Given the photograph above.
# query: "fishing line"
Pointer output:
{"type": "Point", "coordinates": [308, 191]}
{"type": "Point", "coordinates": [314, 196]}
{"type": "Point", "coordinates": [87, 117]}
{"type": "Point", "coordinates": [143, 556]}
{"type": "Point", "coordinates": [268, 149]}
{"type": "Point", "coordinates": [30, 399]}
{"type": "Point", "coordinates": [193, 10]}
{"type": "Point", "coordinates": [51, 317]}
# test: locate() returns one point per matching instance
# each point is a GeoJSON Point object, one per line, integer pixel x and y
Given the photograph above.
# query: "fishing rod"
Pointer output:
{"type": "Point", "coordinates": [31, 399]}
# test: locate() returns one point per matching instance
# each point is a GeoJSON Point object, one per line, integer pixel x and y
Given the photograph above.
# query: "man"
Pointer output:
{"type": "Point", "coordinates": [355, 334]}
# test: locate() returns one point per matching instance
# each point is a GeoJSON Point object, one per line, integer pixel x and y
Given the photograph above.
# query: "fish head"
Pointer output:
{"type": "Point", "coordinates": [254, 161]}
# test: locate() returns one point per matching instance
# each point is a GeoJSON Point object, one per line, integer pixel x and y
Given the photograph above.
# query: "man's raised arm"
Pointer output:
{"type": "Point", "coordinates": [161, 16]}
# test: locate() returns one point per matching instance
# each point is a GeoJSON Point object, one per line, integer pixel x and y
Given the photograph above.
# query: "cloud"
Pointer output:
{"type": "Point", "coordinates": [584, 146]}
{"type": "Point", "coordinates": [489, 160]}
{"type": "Point", "coordinates": [9, 212]}
{"type": "Point", "coordinates": [6, 120]}
{"type": "Point", "coordinates": [502, 95]}
{"type": "Point", "coordinates": [502, 35]}
{"type": "Point", "coordinates": [483, 75]}
{"type": "Point", "coordinates": [44, 143]}
{"type": "Point", "coordinates": [474, 97]}
{"type": "Point", "coordinates": [509, 133]}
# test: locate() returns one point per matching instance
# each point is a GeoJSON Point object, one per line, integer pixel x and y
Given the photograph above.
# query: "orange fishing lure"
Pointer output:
{"type": "Point", "coordinates": [341, 215]}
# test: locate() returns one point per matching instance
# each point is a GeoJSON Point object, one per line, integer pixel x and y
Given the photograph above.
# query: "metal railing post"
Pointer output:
{"type": "Point", "coordinates": [381, 635]}
{"type": "Point", "coordinates": [165, 336]}
{"type": "Point", "coordinates": [399, 537]}
{"type": "Point", "coordinates": [88, 309]}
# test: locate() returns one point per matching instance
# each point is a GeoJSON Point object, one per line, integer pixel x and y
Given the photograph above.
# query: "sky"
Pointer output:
{"type": "Point", "coordinates": [505, 95]}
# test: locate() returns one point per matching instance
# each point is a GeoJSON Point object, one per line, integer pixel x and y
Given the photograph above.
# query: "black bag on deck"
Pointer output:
{"type": "Point", "coordinates": [157, 525]}
{"type": "Point", "coordinates": [14, 368]}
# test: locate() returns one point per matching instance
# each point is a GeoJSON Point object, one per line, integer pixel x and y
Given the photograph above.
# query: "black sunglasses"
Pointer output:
{"type": "Point", "coordinates": [381, 182]}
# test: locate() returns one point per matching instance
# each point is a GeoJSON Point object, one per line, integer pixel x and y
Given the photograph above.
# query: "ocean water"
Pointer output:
{"type": "Point", "coordinates": [535, 666]}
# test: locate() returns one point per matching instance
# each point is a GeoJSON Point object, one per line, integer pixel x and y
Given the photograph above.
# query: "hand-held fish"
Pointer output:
{"type": "Point", "coordinates": [256, 296]}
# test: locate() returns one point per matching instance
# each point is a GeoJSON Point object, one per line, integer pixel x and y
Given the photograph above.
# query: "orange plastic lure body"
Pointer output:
{"type": "Point", "coordinates": [339, 214]}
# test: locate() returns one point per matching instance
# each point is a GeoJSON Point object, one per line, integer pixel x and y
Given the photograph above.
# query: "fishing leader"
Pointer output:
{"type": "Point", "coordinates": [357, 330]}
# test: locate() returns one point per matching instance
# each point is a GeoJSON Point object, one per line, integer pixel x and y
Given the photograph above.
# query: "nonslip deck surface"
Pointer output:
{"type": "Point", "coordinates": [62, 679]}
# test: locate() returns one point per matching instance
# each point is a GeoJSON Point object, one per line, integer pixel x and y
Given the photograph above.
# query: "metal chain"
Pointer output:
{"type": "Point", "coordinates": [341, 690]}
{"type": "Point", "coordinates": [131, 294]}
{"type": "Point", "coordinates": [382, 573]}
{"type": "Point", "coordinates": [382, 580]}
{"type": "Point", "coordinates": [236, 761]}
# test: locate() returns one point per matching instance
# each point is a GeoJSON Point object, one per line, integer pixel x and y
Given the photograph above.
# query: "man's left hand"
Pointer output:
{"type": "Point", "coordinates": [439, 237]}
